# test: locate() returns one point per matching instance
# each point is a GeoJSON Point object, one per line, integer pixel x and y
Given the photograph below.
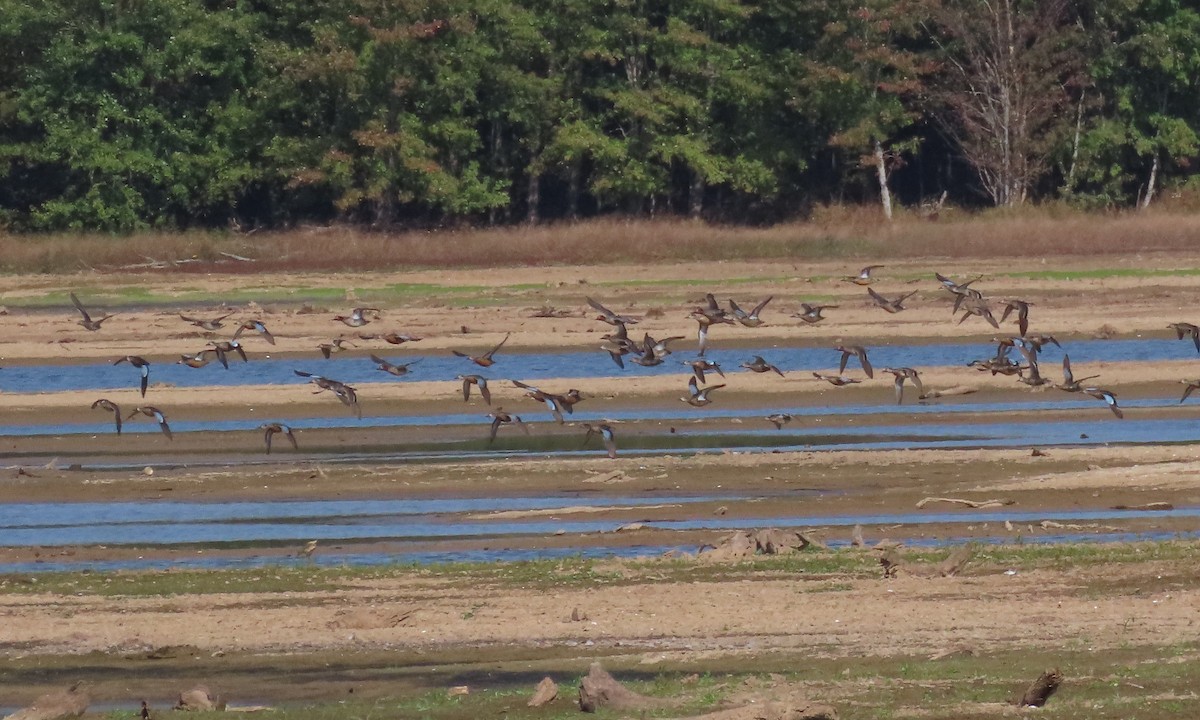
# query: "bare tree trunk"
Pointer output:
{"type": "Point", "coordinates": [1075, 142]}
{"type": "Point", "coordinates": [533, 197]}
{"type": "Point", "coordinates": [573, 184]}
{"type": "Point", "coordinates": [1151, 183]}
{"type": "Point", "coordinates": [696, 196]}
{"type": "Point", "coordinates": [885, 195]}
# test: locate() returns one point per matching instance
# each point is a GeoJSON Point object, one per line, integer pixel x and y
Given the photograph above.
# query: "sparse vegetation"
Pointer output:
{"type": "Point", "coordinates": [849, 233]}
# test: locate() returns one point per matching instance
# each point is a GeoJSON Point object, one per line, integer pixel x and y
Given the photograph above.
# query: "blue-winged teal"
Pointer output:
{"type": "Point", "coordinates": [978, 306]}
{"type": "Point", "coordinates": [335, 345]}
{"type": "Point", "coordinates": [478, 381]}
{"type": "Point", "coordinates": [699, 367]}
{"type": "Point", "coordinates": [569, 399]}
{"type": "Point", "coordinates": [1107, 397]}
{"type": "Point", "coordinates": [857, 351]}
{"type": "Point", "coordinates": [205, 324]}
{"type": "Point", "coordinates": [609, 316]}
{"type": "Point", "coordinates": [759, 365]}
{"type": "Point", "coordinates": [499, 417]}
{"type": "Point", "coordinates": [112, 407]}
{"type": "Point", "coordinates": [1022, 309]}
{"type": "Point", "coordinates": [1069, 383]}
{"type": "Point", "coordinates": [1183, 330]}
{"type": "Point", "coordinates": [345, 393]}
{"type": "Point", "coordinates": [605, 432]}
{"type": "Point", "coordinates": [223, 348]}
{"type": "Point", "coordinates": [391, 368]}
{"type": "Point", "coordinates": [551, 401]}
{"type": "Point", "coordinates": [357, 316]}
{"type": "Point", "coordinates": [271, 429]}
{"type": "Point", "coordinates": [87, 322]}
{"type": "Point", "coordinates": [151, 411]}
{"type": "Point", "coordinates": [1040, 340]}
{"type": "Point", "coordinates": [888, 304]}
{"type": "Point", "coordinates": [698, 397]}
{"type": "Point", "coordinates": [906, 373]}
{"type": "Point", "coordinates": [811, 314]}
{"type": "Point", "coordinates": [706, 318]}
{"type": "Point", "coordinates": [257, 326]}
{"type": "Point", "coordinates": [486, 359]}
{"type": "Point", "coordinates": [141, 364]}
{"type": "Point", "coordinates": [1191, 385]}
{"type": "Point", "coordinates": [836, 380]}
{"type": "Point", "coordinates": [779, 420]}
{"type": "Point", "coordinates": [198, 360]}
{"type": "Point", "coordinates": [957, 288]}
{"type": "Point", "coordinates": [864, 276]}
{"type": "Point", "coordinates": [391, 338]}
{"type": "Point", "coordinates": [749, 319]}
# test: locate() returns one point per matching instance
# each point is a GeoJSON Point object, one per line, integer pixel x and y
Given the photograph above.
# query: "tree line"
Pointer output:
{"type": "Point", "coordinates": [119, 115]}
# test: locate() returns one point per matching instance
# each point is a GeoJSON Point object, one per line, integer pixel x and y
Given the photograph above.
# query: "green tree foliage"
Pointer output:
{"type": "Point", "coordinates": [1146, 125]}
{"type": "Point", "coordinates": [117, 115]}
{"type": "Point", "coordinates": [133, 114]}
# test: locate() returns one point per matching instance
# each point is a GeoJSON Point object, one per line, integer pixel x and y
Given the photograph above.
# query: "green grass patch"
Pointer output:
{"type": "Point", "coordinates": [832, 567]}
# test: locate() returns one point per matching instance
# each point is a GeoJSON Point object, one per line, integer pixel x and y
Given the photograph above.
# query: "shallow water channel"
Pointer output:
{"type": "Point", "coordinates": [958, 422]}
{"type": "Point", "coordinates": [211, 526]}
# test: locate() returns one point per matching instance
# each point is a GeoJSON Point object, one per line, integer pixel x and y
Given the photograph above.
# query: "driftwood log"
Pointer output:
{"type": "Point", "coordinates": [1040, 691]}
{"type": "Point", "coordinates": [773, 711]}
{"type": "Point", "coordinates": [974, 504]}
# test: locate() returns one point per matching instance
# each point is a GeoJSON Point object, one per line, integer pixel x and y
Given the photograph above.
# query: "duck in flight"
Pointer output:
{"type": "Point", "coordinates": [478, 381]}
{"type": "Point", "coordinates": [605, 431]}
{"type": "Point", "coordinates": [141, 364]}
{"type": "Point", "coordinates": [1183, 329]}
{"type": "Point", "coordinates": [811, 314]}
{"type": "Point", "coordinates": [151, 411]}
{"type": "Point", "coordinates": [486, 359]}
{"type": "Point", "coordinates": [223, 348]}
{"type": "Point", "coordinates": [357, 316]}
{"type": "Point", "coordinates": [206, 324]}
{"type": "Point", "coordinates": [891, 305]}
{"type": "Point", "coordinates": [499, 417]}
{"type": "Point", "coordinates": [857, 351]}
{"type": "Point", "coordinates": [864, 276]}
{"type": "Point", "coordinates": [759, 365]}
{"type": "Point", "coordinates": [272, 429]}
{"type": "Point", "coordinates": [257, 326]}
{"type": "Point", "coordinates": [391, 368]}
{"type": "Point", "coordinates": [609, 316]}
{"type": "Point", "coordinates": [698, 397]}
{"type": "Point", "coordinates": [112, 407]}
{"type": "Point", "coordinates": [87, 322]}
{"type": "Point", "coordinates": [749, 319]}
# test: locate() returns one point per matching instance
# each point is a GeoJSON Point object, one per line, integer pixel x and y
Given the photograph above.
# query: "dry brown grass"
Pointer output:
{"type": "Point", "coordinates": [835, 232]}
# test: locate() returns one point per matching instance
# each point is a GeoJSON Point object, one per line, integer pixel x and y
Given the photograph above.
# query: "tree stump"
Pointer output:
{"type": "Point", "coordinates": [956, 561]}
{"type": "Point", "coordinates": [199, 698]}
{"type": "Point", "coordinates": [599, 689]}
{"type": "Point", "coordinates": [1040, 691]}
{"type": "Point", "coordinates": [545, 692]}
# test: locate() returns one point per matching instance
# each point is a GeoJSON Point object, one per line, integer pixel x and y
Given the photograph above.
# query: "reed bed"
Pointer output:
{"type": "Point", "coordinates": [832, 233]}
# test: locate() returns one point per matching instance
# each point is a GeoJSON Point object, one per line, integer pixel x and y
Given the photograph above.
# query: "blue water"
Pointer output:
{"type": "Point", "coordinates": [263, 370]}
{"type": "Point", "coordinates": [163, 523]}
{"type": "Point", "coordinates": [100, 423]}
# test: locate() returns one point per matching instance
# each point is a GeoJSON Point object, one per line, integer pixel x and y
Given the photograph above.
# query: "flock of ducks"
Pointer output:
{"type": "Point", "coordinates": [651, 352]}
